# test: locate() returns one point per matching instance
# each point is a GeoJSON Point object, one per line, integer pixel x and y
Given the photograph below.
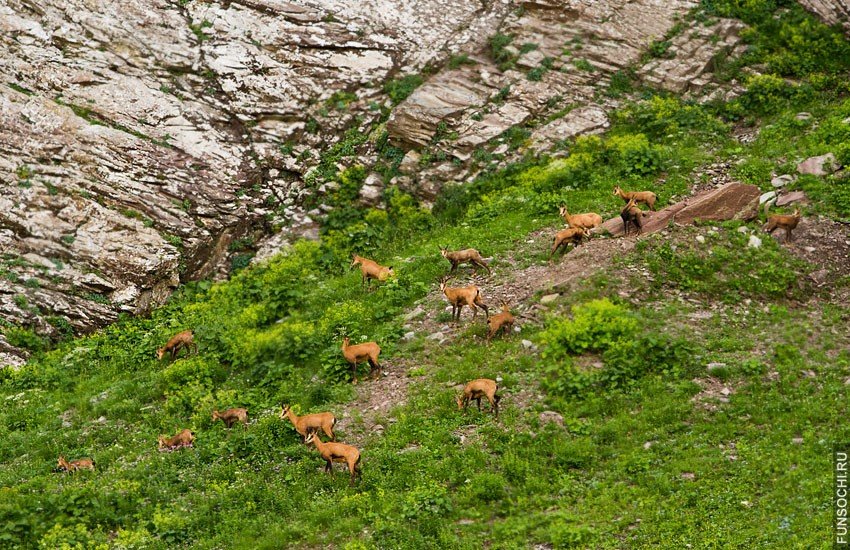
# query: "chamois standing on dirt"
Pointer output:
{"type": "Point", "coordinates": [463, 296]}
{"type": "Point", "coordinates": [784, 221]}
{"type": "Point", "coordinates": [74, 465]}
{"type": "Point", "coordinates": [367, 351]}
{"type": "Point", "coordinates": [310, 422]}
{"type": "Point", "coordinates": [337, 452]}
{"type": "Point", "coordinates": [231, 416]}
{"type": "Point", "coordinates": [570, 236]}
{"type": "Point", "coordinates": [469, 255]}
{"type": "Point", "coordinates": [475, 390]}
{"type": "Point", "coordinates": [185, 438]}
{"type": "Point", "coordinates": [633, 215]}
{"type": "Point", "coordinates": [647, 197]}
{"type": "Point", "coordinates": [181, 340]}
{"type": "Point", "coordinates": [503, 321]}
{"type": "Point", "coordinates": [588, 220]}
{"type": "Point", "coordinates": [370, 269]}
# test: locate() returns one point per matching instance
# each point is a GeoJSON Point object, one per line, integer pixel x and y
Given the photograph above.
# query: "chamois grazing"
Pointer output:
{"type": "Point", "coordinates": [631, 214]}
{"type": "Point", "coordinates": [469, 255]}
{"type": "Point", "coordinates": [181, 340]}
{"type": "Point", "coordinates": [783, 221]}
{"type": "Point", "coordinates": [367, 351]}
{"type": "Point", "coordinates": [231, 416]}
{"type": "Point", "coordinates": [503, 321]}
{"type": "Point", "coordinates": [370, 269]}
{"type": "Point", "coordinates": [337, 452]}
{"type": "Point", "coordinates": [74, 465]}
{"type": "Point", "coordinates": [463, 296]}
{"type": "Point", "coordinates": [475, 390]}
{"type": "Point", "coordinates": [588, 221]}
{"type": "Point", "coordinates": [570, 236]}
{"type": "Point", "coordinates": [647, 197]}
{"type": "Point", "coordinates": [308, 423]}
{"type": "Point", "coordinates": [183, 439]}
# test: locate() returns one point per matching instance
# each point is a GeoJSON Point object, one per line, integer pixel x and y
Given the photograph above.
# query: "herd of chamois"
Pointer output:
{"type": "Point", "coordinates": [579, 227]}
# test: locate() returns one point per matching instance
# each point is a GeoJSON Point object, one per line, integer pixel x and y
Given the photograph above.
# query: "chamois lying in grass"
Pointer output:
{"type": "Point", "coordinates": [570, 236]}
{"type": "Point", "coordinates": [588, 221]}
{"type": "Point", "coordinates": [75, 465]}
{"type": "Point", "coordinates": [646, 197]}
{"type": "Point", "coordinates": [367, 351]}
{"type": "Point", "coordinates": [475, 390]}
{"type": "Point", "coordinates": [231, 416]}
{"type": "Point", "coordinates": [337, 452]}
{"type": "Point", "coordinates": [783, 221]}
{"type": "Point", "coordinates": [181, 340]}
{"type": "Point", "coordinates": [310, 422]}
{"type": "Point", "coordinates": [633, 215]}
{"type": "Point", "coordinates": [370, 269]}
{"type": "Point", "coordinates": [469, 255]}
{"type": "Point", "coordinates": [463, 296]}
{"type": "Point", "coordinates": [185, 438]}
{"type": "Point", "coordinates": [503, 321]}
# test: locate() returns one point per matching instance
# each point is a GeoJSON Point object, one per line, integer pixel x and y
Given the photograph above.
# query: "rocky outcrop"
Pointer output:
{"type": "Point", "coordinates": [733, 201]}
{"type": "Point", "coordinates": [687, 64]}
{"type": "Point", "coordinates": [833, 12]}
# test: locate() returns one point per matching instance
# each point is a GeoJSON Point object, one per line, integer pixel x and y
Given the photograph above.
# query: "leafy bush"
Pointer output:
{"type": "Point", "coordinates": [634, 154]}
{"type": "Point", "coordinates": [594, 327]}
{"type": "Point", "coordinates": [401, 88]}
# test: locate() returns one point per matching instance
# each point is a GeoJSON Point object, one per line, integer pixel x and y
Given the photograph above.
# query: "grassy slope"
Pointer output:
{"type": "Point", "coordinates": [725, 474]}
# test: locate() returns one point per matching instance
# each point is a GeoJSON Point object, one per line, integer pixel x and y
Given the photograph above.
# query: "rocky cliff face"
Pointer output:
{"type": "Point", "coordinates": [144, 142]}
{"type": "Point", "coordinates": [833, 12]}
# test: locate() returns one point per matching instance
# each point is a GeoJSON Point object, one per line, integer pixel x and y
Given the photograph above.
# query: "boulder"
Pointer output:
{"type": "Point", "coordinates": [782, 181]}
{"type": "Point", "coordinates": [789, 198]}
{"type": "Point", "coordinates": [818, 166]}
{"type": "Point", "coordinates": [733, 201]}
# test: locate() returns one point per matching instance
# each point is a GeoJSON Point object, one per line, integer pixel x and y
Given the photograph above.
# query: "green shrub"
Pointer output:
{"type": "Point", "coordinates": [426, 501]}
{"type": "Point", "coordinates": [594, 327]}
{"type": "Point", "coordinates": [401, 88]}
{"type": "Point", "coordinates": [634, 154]}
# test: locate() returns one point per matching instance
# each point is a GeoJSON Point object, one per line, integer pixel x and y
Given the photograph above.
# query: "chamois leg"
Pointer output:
{"type": "Point", "coordinates": [454, 267]}
{"type": "Point", "coordinates": [787, 234]}
{"type": "Point", "coordinates": [329, 467]}
{"type": "Point", "coordinates": [329, 431]}
{"type": "Point", "coordinates": [354, 373]}
{"type": "Point", "coordinates": [478, 402]}
{"type": "Point", "coordinates": [374, 367]}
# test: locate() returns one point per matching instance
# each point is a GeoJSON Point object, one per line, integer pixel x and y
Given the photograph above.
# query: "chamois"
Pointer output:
{"type": "Point", "coordinates": [503, 321]}
{"type": "Point", "coordinates": [588, 221]}
{"type": "Point", "coordinates": [571, 235]}
{"type": "Point", "coordinates": [183, 439]}
{"type": "Point", "coordinates": [463, 296]}
{"type": "Point", "coordinates": [74, 465]}
{"type": "Point", "coordinates": [367, 351]}
{"type": "Point", "coordinates": [784, 221]}
{"type": "Point", "coordinates": [647, 197]}
{"type": "Point", "coordinates": [231, 416]}
{"type": "Point", "coordinates": [310, 422]}
{"type": "Point", "coordinates": [337, 452]}
{"type": "Point", "coordinates": [185, 339]}
{"type": "Point", "coordinates": [371, 270]}
{"type": "Point", "coordinates": [469, 255]}
{"type": "Point", "coordinates": [475, 390]}
{"type": "Point", "coordinates": [631, 214]}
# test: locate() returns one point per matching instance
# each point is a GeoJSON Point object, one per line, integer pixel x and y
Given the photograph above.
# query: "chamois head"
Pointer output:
{"type": "Point", "coordinates": [617, 190]}
{"type": "Point", "coordinates": [459, 401]}
{"type": "Point", "coordinates": [160, 352]}
{"type": "Point", "coordinates": [355, 259]}
{"type": "Point", "coordinates": [346, 341]}
{"type": "Point", "coordinates": [444, 251]}
{"type": "Point", "coordinates": [284, 409]}
{"type": "Point", "coordinates": [563, 211]}
{"type": "Point", "coordinates": [443, 281]}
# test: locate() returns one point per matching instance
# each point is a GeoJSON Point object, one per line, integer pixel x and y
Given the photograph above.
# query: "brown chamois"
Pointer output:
{"type": "Point", "coordinates": [185, 339]}
{"type": "Point", "coordinates": [588, 220]}
{"type": "Point", "coordinates": [503, 321]}
{"type": "Point", "coordinates": [337, 452]}
{"type": "Point", "coordinates": [367, 351]}
{"type": "Point", "coordinates": [647, 197]}
{"type": "Point", "coordinates": [570, 236]}
{"type": "Point", "coordinates": [463, 296]}
{"type": "Point", "coordinates": [310, 422]}
{"type": "Point", "coordinates": [183, 439]}
{"type": "Point", "coordinates": [371, 270]}
{"type": "Point", "coordinates": [784, 221]}
{"type": "Point", "coordinates": [74, 465]}
{"type": "Point", "coordinates": [475, 390]}
{"type": "Point", "coordinates": [469, 255]}
{"type": "Point", "coordinates": [231, 416]}
{"type": "Point", "coordinates": [631, 214]}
